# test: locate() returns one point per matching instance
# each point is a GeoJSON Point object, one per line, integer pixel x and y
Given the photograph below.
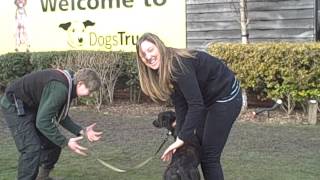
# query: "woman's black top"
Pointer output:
{"type": "Point", "coordinates": [204, 81]}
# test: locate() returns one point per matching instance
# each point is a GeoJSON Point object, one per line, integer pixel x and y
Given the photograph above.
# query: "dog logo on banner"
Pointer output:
{"type": "Point", "coordinates": [77, 32]}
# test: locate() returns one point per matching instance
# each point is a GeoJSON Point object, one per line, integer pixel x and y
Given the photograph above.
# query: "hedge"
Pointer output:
{"type": "Point", "coordinates": [15, 65]}
{"type": "Point", "coordinates": [290, 71]}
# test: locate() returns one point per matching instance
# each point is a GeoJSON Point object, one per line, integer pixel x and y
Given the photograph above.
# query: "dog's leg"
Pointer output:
{"type": "Point", "coordinates": [171, 173]}
{"type": "Point", "coordinates": [194, 174]}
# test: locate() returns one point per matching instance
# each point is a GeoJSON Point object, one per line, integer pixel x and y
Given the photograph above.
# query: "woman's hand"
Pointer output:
{"type": "Point", "coordinates": [91, 134]}
{"type": "Point", "coordinates": [167, 155]}
{"type": "Point", "coordinates": [75, 147]}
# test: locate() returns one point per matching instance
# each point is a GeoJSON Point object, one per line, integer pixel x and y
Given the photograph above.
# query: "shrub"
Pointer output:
{"type": "Point", "coordinates": [109, 65]}
{"type": "Point", "coordinates": [130, 70]}
{"type": "Point", "coordinates": [13, 66]}
{"type": "Point", "coordinates": [44, 60]}
{"type": "Point", "coordinates": [290, 71]}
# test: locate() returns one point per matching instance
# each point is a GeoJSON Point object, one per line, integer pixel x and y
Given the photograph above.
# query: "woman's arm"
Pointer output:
{"type": "Point", "coordinates": [187, 83]}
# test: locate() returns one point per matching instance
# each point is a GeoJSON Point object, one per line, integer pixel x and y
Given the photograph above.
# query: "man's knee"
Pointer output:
{"type": "Point", "coordinates": [49, 157]}
{"type": "Point", "coordinates": [31, 153]}
{"type": "Point", "coordinates": [27, 144]}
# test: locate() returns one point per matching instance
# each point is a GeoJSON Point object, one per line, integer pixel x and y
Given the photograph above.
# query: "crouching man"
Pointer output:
{"type": "Point", "coordinates": [34, 106]}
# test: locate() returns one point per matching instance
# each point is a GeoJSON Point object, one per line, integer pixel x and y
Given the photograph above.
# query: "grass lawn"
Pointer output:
{"type": "Point", "coordinates": [254, 151]}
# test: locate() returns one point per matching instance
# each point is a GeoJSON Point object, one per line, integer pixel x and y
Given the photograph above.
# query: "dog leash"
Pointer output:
{"type": "Point", "coordinates": [138, 166]}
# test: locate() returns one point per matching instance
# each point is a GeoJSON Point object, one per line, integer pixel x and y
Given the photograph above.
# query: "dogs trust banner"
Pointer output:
{"type": "Point", "coordinates": [108, 25]}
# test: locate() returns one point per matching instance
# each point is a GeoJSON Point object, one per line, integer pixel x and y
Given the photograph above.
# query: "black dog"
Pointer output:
{"type": "Point", "coordinates": [185, 161]}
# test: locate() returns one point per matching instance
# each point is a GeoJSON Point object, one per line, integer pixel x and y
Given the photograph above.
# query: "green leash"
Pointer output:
{"type": "Point", "coordinates": [138, 166]}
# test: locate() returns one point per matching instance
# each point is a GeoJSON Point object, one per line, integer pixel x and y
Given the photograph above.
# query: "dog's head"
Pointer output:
{"type": "Point", "coordinates": [165, 120]}
{"type": "Point", "coordinates": [76, 32]}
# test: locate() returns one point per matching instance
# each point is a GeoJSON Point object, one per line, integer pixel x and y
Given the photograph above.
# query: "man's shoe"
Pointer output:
{"type": "Point", "coordinates": [44, 175]}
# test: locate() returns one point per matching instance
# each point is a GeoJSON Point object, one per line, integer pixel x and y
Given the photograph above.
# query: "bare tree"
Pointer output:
{"type": "Point", "coordinates": [113, 64]}
{"type": "Point", "coordinates": [106, 64]}
{"type": "Point", "coordinates": [244, 21]}
{"type": "Point", "coordinates": [241, 11]}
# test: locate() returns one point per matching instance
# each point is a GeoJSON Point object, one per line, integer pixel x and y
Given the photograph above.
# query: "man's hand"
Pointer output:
{"type": "Point", "coordinates": [167, 155]}
{"type": "Point", "coordinates": [91, 134]}
{"type": "Point", "coordinates": [75, 147]}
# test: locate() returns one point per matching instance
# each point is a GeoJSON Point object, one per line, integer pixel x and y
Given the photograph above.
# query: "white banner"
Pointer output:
{"type": "Point", "coordinates": [110, 25]}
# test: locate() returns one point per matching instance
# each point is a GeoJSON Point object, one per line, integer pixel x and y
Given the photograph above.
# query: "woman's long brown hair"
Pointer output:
{"type": "Point", "coordinates": [157, 84]}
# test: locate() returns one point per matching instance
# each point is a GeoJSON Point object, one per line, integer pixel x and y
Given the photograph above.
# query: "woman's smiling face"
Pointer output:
{"type": "Point", "coordinates": [150, 55]}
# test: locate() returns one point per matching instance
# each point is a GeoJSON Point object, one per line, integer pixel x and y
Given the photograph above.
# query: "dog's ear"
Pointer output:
{"type": "Point", "coordinates": [172, 115]}
{"type": "Point", "coordinates": [167, 114]}
{"type": "Point", "coordinates": [65, 26]}
{"type": "Point", "coordinates": [156, 123]}
{"type": "Point", "coordinates": [88, 23]}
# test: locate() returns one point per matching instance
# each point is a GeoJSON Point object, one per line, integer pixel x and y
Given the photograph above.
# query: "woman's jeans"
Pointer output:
{"type": "Point", "coordinates": [213, 134]}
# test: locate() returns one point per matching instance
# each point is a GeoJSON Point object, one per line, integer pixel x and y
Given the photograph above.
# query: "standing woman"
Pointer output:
{"type": "Point", "coordinates": [205, 93]}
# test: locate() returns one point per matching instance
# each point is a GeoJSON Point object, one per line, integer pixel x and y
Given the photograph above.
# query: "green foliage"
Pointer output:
{"type": "Point", "coordinates": [13, 66]}
{"type": "Point", "coordinates": [275, 70]}
{"type": "Point", "coordinates": [130, 68]}
{"type": "Point", "coordinates": [44, 60]}
{"type": "Point", "coordinates": [131, 75]}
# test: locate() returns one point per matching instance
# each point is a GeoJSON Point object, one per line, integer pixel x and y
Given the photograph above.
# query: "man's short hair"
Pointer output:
{"type": "Point", "coordinates": [89, 77]}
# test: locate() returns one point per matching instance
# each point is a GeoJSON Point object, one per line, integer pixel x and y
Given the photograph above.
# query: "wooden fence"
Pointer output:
{"type": "Point", "coordinates": [270, 20]}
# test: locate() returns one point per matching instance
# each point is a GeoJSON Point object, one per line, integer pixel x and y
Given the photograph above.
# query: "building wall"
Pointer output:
{"type": "Point", "coordinates": [270, 20]}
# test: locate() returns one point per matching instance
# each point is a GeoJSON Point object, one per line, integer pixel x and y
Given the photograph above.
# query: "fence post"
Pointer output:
{"type": "Point", "coordinates": [312, 111]}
